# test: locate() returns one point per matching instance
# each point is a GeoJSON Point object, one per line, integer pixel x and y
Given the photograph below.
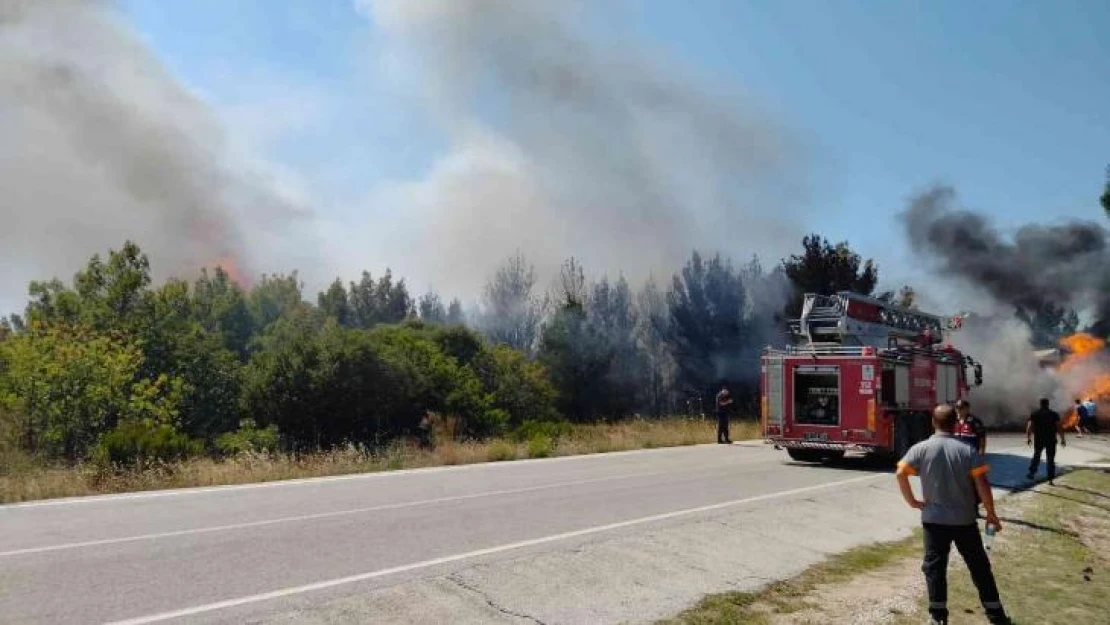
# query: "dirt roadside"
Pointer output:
{"type": "Point", "coordinates": [1052, 562]}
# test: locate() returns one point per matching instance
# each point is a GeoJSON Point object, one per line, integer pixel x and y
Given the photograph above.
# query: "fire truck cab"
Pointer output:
{"type": "Point", "coordinates": [862, 376]}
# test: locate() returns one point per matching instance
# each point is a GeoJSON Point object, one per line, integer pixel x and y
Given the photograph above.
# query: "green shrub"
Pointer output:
{"type": "Point", "coordinates": [492, 422]}
{"type": "Point", "coordinates": [519, 386]}
{"type": "Point", "coordinates": [540, 446]}
{"type": "Point", "coordinates": [501, 450]}
{"type": "Point", "coordinates": [420, 378]}
{"type": "Point", "coordinates": [248, 438]}
{"type": "Point", "coordinates": [553, 430]}
{"type": "Point", "coordinates": [135, 443]}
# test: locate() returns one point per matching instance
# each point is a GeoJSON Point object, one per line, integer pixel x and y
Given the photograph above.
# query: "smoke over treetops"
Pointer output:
{"type": "Point", "coordinates": [1060, 265]}
{"type": "Point", "coordinates": [100, 144]}
{"type": "Point", "coordinates": [560, 141]}
{"type": "Point", "coordinates": [564, 142]}
{"type": "Point", "coordinates": [1041, 266]}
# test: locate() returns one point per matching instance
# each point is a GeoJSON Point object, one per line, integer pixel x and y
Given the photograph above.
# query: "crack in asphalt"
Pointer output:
{"type": "Point", "coordinates": [489, 601]}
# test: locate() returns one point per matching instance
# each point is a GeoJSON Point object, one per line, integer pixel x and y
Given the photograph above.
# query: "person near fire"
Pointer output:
{"type": "Point", "coordinates": [1081, 418]}
{"type": "Point", "coordinates": [1041, 431]}
{"type": "Point", "coordinates": [723, 406]}
{"type": "Point", "coordinates": [1092, 419]}
{"type": "Point", "coordinates": [950, 472]}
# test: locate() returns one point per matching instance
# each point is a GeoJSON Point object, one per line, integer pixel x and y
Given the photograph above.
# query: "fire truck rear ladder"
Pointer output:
{"type": "Point", "coordinates": [832, 316]}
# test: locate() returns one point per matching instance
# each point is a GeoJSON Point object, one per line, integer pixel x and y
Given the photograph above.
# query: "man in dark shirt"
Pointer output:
{"type": "Point", "coordinates": [1081, 415]}
{"type": "Point", "coordinates": [1040, 432]}
{"type": "Point", "coordinates": [724, 402]}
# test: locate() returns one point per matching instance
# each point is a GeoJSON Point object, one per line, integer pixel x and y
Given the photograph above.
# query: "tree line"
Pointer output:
{"type": "Point", "coordinates": [112, 368]}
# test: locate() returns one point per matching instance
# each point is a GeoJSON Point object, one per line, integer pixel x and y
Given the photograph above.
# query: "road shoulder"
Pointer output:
{"type": "Point", "coordinates": [1064, 529]}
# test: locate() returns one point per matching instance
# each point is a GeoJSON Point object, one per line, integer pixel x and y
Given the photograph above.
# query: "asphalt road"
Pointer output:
{"type": "Point", "coordinates": [605, 538]}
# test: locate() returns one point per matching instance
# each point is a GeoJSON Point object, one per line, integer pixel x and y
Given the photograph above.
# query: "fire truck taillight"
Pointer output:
{"type": "Point", "coordinates": [871, 415]}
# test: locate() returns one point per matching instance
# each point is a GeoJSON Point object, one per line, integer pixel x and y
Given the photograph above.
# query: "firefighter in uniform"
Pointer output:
{"type": "Point", "coordinates": [969, 428]}
{"type": "Point", "coordinates": [723, 405]}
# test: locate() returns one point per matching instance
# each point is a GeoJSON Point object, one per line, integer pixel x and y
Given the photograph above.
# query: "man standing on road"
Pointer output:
{"type": "Point", "coordinates": [951, 472]}
{"type": "Point", "coordinates": [969, 428]}
{"type": "Point", "coordinates": [724, 404]}
{"type": "Point", "coordinates": [1040, 432]}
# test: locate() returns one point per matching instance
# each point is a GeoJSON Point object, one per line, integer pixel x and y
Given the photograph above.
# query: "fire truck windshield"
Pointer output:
{"type": "Point", "coordinates": [817, 395]}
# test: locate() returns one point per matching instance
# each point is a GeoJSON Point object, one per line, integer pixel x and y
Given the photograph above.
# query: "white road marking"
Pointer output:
{"type": "Point", "coordinates": [295, 590]}
{"type": "Point", "coordinates": [321, 515]}
{"type": "Point", "coordinates": [392, 473]}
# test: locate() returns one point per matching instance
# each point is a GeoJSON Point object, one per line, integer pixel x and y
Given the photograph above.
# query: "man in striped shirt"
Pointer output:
{"type": "Point", "coordinates": [951, 473]}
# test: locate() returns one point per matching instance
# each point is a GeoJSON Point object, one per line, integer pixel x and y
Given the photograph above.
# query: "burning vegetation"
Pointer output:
{"type": "Point", "coordinates": [230, 265]}
{"type": "Point", "coordinates": [1085, 371]}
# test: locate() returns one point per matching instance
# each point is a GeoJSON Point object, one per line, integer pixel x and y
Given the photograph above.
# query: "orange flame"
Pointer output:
{"type": "Point", "coordinates": [1082, 344]}
{"type": "Point", "coordinates": [231, 267]}
{"type": "Point", "coordinates": [1084, 349]}
{"type": "Point", "coordinates": [213, 232]}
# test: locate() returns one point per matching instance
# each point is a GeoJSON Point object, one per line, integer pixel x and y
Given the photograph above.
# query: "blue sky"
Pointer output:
{"type": "Point", "coordinates": [1007, 101]}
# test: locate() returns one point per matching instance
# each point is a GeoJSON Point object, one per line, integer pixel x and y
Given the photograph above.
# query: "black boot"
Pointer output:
{"type": "Point", "coordinates": [998, 618]}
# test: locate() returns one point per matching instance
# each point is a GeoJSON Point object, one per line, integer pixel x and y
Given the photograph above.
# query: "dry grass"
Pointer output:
{"type": "Point", "coordinates": [1050, 561]}
{"type": "Point", "coordinates": [24, 480]}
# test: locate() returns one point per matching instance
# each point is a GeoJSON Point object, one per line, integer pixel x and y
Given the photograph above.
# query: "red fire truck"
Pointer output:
{"type": "Point", "coordinates": [862, 376]}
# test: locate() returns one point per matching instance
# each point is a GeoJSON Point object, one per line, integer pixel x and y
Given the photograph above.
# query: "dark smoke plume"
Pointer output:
{"type": "Point", "coordinates": [1041, 265]}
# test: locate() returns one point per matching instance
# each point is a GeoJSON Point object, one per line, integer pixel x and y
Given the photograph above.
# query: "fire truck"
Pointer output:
{"type": "Point", "coordinates": [861, 375]}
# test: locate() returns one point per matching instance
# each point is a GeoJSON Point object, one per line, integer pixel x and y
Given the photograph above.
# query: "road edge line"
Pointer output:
{"type": "Point", "coordinates": [341, 581]}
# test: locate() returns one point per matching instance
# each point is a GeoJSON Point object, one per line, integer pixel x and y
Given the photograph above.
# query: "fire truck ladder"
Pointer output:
{"type": "Point", "coordinates": [850, 318]}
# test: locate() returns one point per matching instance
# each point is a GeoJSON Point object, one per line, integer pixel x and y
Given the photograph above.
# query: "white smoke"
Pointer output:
{"type": "Point", "coordinates": [99, 144]}
{"type": "Point", "coordinates": [1013, 380]}
{"type": "Point", "coordinates": [562, 143]}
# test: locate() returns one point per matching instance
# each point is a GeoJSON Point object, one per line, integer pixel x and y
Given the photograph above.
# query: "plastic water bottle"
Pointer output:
{"type": "Point", "coordinates": [988, 536]}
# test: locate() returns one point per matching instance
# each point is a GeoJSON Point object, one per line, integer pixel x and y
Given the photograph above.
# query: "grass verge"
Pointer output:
{"type": "Point", "coordinates": [23, 480]}
{"type": "Point", "coordinates": [795, 596]}
{"type": "Point", "coordinates": [1051, 562]}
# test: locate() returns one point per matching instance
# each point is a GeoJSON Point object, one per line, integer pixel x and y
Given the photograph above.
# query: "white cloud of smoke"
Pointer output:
{"type": "Point", "coordinates": [98, 144]}
{"type": "Point", "coordinates": [1013, 380]}
{"type": "Point", "coordinates": [562, 143]}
